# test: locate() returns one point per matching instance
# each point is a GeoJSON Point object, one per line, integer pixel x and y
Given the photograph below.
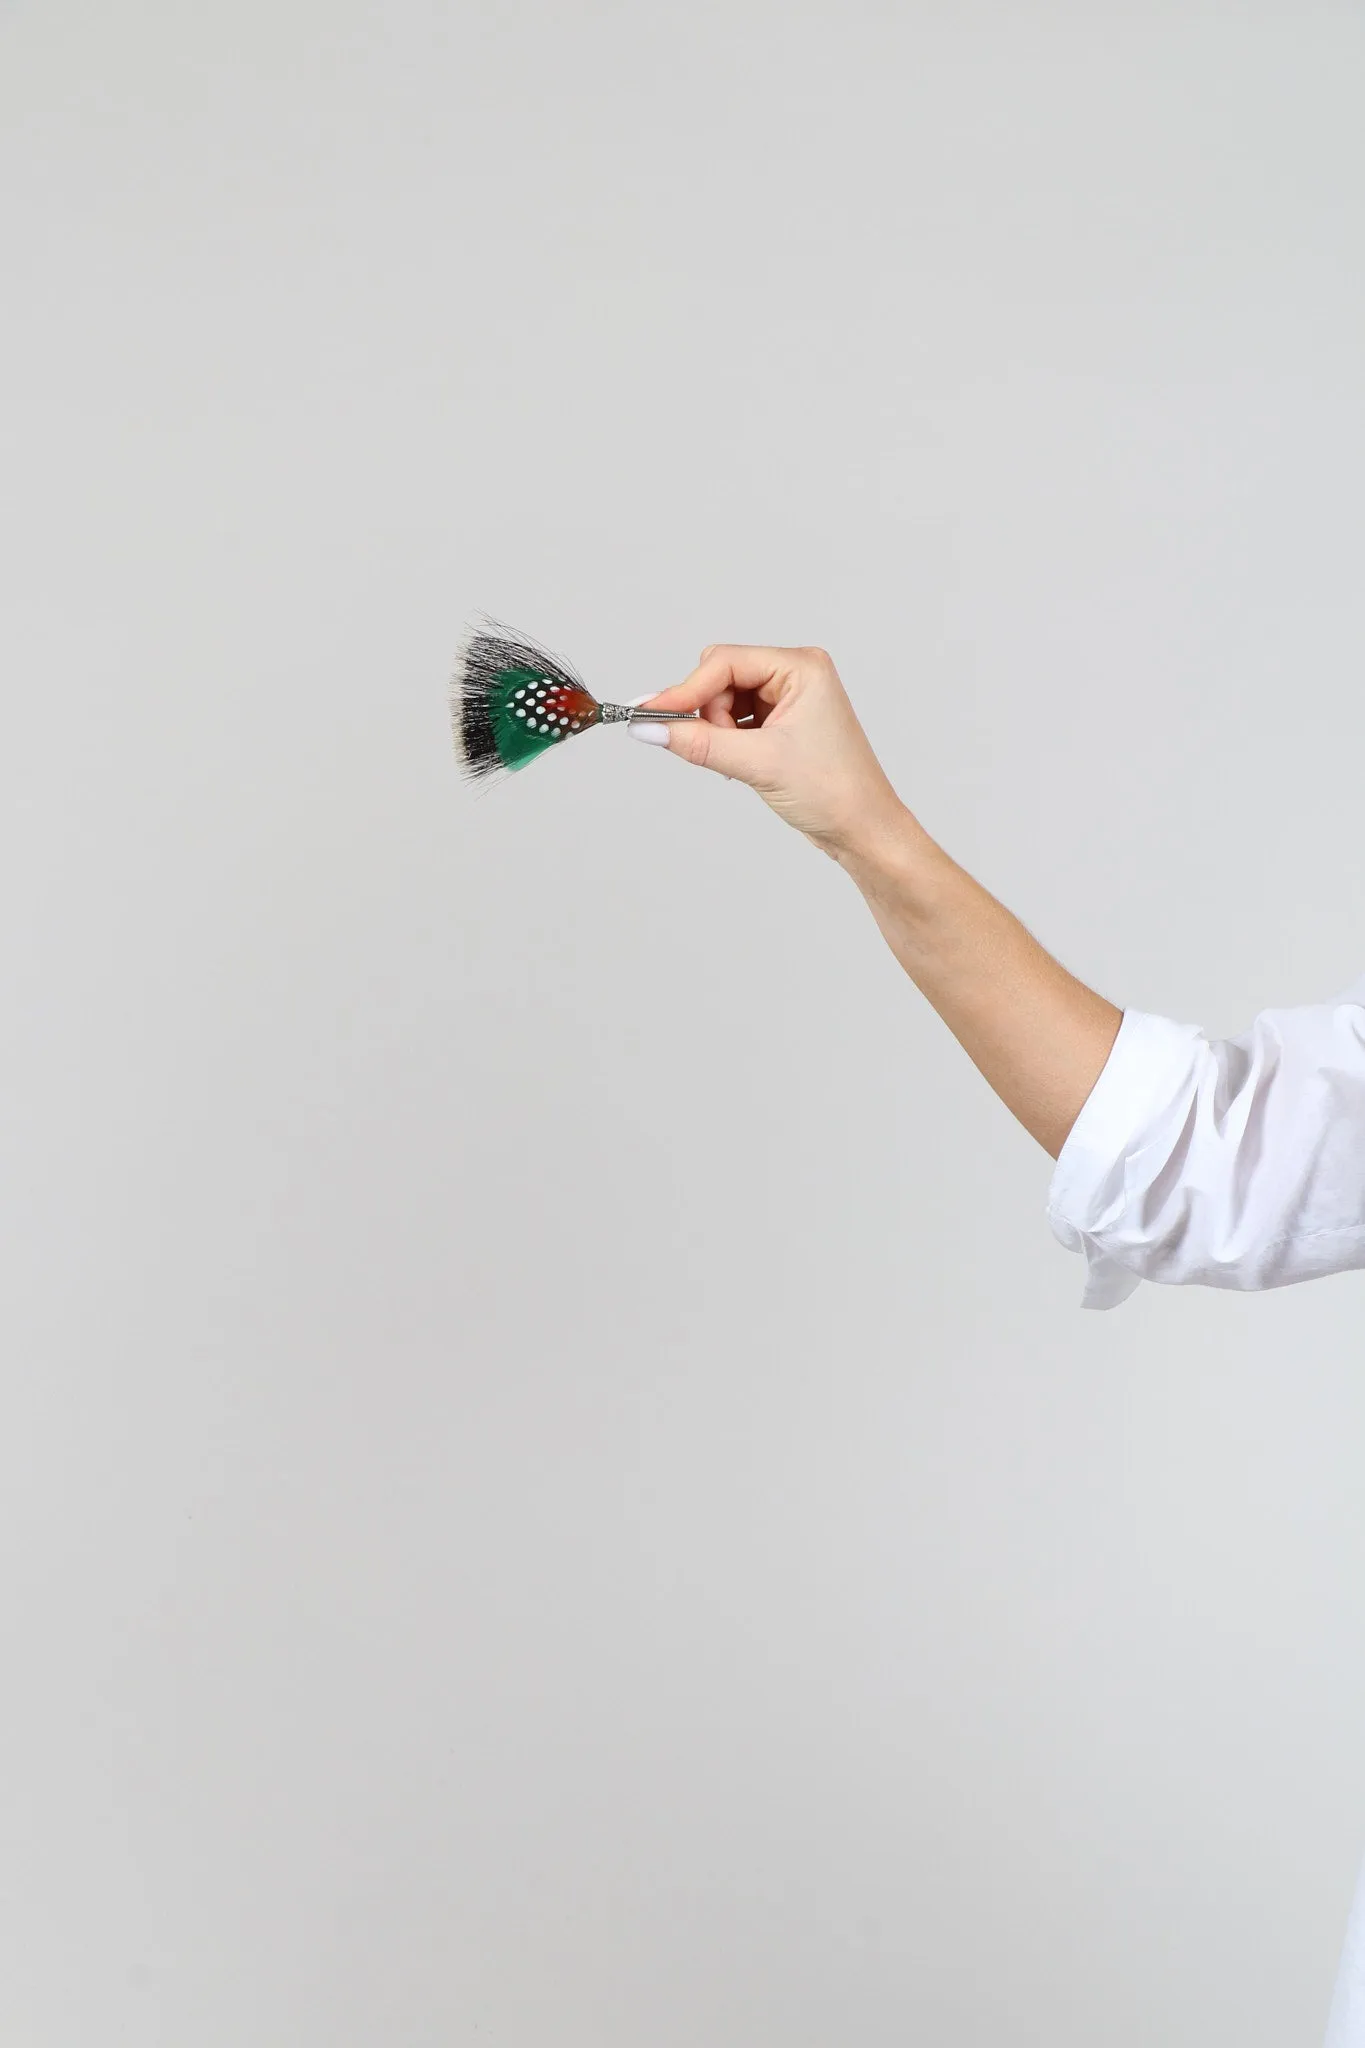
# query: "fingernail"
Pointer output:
{"type": "Point", "coordinates": [651, 735]}
{"type": "Point", "coordinates": [642, 700]}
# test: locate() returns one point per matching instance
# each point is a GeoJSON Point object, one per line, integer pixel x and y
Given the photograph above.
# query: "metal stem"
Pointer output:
{"type": "Point", "coordinates": [614, 714]}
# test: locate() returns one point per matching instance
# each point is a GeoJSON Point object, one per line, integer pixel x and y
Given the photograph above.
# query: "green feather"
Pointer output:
{"type": "Point", "coordinates": [511, 700]}
{"type": "Point", "coordinates": [516, 739]}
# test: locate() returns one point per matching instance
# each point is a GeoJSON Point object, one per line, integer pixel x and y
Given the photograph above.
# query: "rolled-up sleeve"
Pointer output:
{"type": "Point", "coordinates": [1235, 1162]}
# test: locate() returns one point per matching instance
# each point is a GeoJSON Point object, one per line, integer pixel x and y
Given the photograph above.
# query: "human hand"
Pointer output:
{"type": "Point", "coordinates": [778, 719]}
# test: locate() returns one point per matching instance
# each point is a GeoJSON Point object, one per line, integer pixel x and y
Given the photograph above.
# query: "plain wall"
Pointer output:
{"type": "Point", "coordinates": [555, 1486]}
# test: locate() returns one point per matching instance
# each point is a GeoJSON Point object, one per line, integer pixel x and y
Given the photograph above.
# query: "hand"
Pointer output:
{"type": "Point", "coordinates": [778, 718]}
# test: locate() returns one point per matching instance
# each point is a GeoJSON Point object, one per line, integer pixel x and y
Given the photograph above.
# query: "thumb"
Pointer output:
{"type": "Point", "coordinates": [719, 747]}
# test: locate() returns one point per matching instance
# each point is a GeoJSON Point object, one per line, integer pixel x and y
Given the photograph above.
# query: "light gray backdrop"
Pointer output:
{"type": "Point", "coordinates": [555, 1488]}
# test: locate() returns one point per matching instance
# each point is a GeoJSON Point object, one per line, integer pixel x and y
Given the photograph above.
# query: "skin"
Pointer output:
{"type": "Point", "coordinates": [779, 719]}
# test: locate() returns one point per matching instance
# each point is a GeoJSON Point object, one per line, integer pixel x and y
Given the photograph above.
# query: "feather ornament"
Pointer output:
{"type": "Point", "coordinates": [511, 701]}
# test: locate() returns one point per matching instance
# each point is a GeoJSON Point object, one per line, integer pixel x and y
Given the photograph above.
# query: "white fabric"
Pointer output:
{"type": "Point", "coordinates": [1235, 1162]}
{"type": "Point", "coordinates": [1346, 2022]}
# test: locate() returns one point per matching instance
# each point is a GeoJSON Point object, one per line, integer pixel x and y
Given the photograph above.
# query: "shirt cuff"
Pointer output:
{"type": "Point", "coordinates": [1150, 1062]}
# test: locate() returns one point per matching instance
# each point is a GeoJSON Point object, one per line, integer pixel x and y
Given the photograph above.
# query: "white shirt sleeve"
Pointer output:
{"type": "Point", "coordinates": [1235, 1162]}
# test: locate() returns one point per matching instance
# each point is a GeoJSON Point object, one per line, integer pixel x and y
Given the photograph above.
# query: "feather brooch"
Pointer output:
{"type": "Point", "coordinates": [511, 701]}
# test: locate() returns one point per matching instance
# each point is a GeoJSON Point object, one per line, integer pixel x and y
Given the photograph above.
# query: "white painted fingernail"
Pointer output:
{"type": "Point", "coordinates": [646, 730]}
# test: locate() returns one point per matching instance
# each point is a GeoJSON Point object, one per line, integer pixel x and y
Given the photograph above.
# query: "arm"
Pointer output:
{"type": "Point", "coordinates": [1229, 1163]}
{"type": "Point", "coordinates": [1039, 1036]}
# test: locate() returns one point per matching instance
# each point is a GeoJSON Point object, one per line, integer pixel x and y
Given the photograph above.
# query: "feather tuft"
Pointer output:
{"type": "Point", "coordinates": [511, 700]}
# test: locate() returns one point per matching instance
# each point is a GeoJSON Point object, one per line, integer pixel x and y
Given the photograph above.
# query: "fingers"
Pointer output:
{"type": "Point", "coordinates": [727, 668]}
{"type": "Point", "coordinates": [720, 710]}
{"type": "Point", "coordinates": [704, 744]}
{"type": "Point", "coordinates": [757, 668]}
{"type": "Point", "coordinates": [748, 709]}
{"type": "Point", "coordinates": [718, 747]}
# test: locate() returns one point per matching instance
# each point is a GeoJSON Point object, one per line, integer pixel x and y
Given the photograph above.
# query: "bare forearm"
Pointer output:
{"type": "Point", "coordinates": [1039, 1036]}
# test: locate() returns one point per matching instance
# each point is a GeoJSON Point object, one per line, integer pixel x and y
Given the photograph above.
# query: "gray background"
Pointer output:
{"type": "Point", "coordinates": [554, 1484]}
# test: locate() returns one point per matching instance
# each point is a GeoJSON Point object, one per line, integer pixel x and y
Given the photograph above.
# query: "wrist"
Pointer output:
{"type": "Point", "coordinates": [886, 845]}
{"type": "Point", "coordinates": [906, 879]}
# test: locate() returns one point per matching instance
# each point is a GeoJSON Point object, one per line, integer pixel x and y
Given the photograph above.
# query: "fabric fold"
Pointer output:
{"type": "Point", "coordinates": [1233, 1162]}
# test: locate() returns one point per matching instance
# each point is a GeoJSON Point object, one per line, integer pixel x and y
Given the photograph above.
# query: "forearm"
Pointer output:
{"type": "Point", "coordinates": [1039, 1036]}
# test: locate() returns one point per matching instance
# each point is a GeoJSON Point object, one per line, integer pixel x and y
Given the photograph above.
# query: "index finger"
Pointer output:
{"type": "Point", "coordinates": [761, 669]}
